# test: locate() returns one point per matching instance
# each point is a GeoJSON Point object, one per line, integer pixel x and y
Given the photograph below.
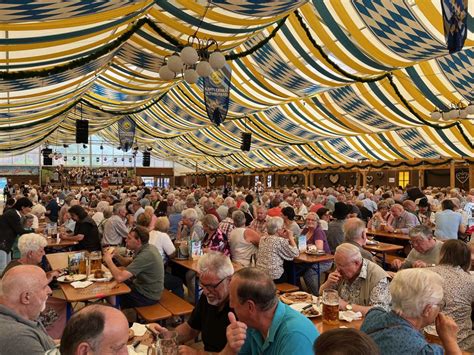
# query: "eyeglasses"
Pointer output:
{"type": "Point", "coordinates": [416, 241]}
{"type": "Point", "coordinates": [441, 305]}
{"type": "Point", "coordinates": [211, 287]}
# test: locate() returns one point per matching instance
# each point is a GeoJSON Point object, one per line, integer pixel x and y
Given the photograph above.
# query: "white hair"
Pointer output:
{"type": "Point", "coordinates": [413, 289]}
{"type": "Point", "coordinates": [216, 263]}
{"type": "Point", "coordinates": [190, 213]}
{"type": "Point", "coordinates": [229, 201]}
{"type": "Point", "coordinates": [351, 252]}
{"type": "Point", "coordinates": [31, 242]}
{"type": "Point", "coordinates": [274, 224]}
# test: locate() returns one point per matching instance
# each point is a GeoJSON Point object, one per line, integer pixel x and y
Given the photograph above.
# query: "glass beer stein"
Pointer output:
{"type": "Point", "coordinates": [330, 302]}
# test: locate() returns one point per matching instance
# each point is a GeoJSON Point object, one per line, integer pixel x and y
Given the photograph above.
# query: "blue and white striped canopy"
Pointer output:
{"type": "Point", "coordinates": [337, 82]}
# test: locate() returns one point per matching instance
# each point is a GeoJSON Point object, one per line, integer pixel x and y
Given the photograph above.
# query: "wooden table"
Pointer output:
{"type": "Point", "coordinates": [97, 290]}
{"type": "Point", "coordinates": [382, 248]}
{"type": "Point", "coordinates": [382, 234]}
{"type": "Point", "coordinates": [305, 258]}
{"type": "Point", "coordinates": [63, 243]}
{"type": "Point", "coordinates": [192, 264]}
{"type": "Point", "coordinates": [318, 322]}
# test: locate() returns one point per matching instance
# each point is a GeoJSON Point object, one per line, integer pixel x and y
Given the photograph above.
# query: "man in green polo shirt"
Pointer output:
{"type": "Point", "coordinates": [144, 274]}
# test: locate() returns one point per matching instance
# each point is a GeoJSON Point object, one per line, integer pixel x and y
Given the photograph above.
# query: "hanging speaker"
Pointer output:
{"type": "Point", "coordinates": [246, 141]}
{"type": "Point", "coordinates": [146, 158]}
{"type": "Point", "coordinates": [47, 160]}
{"type": "Point", "coordinates": [82, 131]}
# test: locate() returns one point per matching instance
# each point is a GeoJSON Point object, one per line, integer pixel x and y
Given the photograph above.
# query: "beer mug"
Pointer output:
{"type": "Point", "coordinates": [330, 302]}
{"type": "Point", "coordinates": [95, 261]}
{"type": "Point", "coordinates": [167, 343]}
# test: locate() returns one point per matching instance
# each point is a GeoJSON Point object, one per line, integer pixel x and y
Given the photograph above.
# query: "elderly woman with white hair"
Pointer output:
{"type": "Point", "coordinates": [276, 247]}
{"type": "Point", "coordinates": [417, 301]}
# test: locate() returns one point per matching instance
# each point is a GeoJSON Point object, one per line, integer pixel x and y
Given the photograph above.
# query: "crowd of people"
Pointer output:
{"type": "Point", "coordinates": [140, 229]}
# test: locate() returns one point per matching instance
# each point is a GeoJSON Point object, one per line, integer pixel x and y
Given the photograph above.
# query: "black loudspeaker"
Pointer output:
{"type": "Point", "coordinates": [246, 141]}
{"type": "Point", "coordinates": [146, 158]}
{"type": "Point", "coordinates": [82, 131]}
{"type": "Point", "coordinates": [46, 159]}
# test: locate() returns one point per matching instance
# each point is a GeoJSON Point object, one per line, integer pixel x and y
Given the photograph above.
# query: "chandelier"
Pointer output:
{"type": "Point", "coordinates": [457, 111]}
{"type": "Point", "coordinates": [194, 61]}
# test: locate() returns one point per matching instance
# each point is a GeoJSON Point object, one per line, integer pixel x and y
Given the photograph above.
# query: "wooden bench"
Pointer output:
{"type": "Point", "coordinates": [175, 304]}
{"type": "Point", "coordinates": [286, 287]}
{"type": "Point", "coordinates": [153, 313]}
{"type": "Point", "coordinates": [169, 306]}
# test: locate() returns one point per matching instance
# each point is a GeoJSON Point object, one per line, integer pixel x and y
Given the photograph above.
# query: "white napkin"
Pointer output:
{"type": "Point", "coordinates": [81, 284]}
{"type": "Point", "coordinates": [349, 316]}
{"type": "Point", "coordinates": [139, 350]}
{"type": "Point", "coordinates": [138, 329]}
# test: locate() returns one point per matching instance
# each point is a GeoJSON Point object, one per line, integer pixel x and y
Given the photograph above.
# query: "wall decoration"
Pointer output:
{"type": "Point", "coordinates": [380, 174]}
{"type": "Point", "coordinates": [212, 180]}
{"type": "Point", "coordinates": [462, 176]}
{"type": "Point", "coordinates": [334, 178]}
{"type": "Point", "coordinates": [294, 179]}
{"type": "Point", "coordinates": [370, 178]}
{"type": "Point", "coordinates": [23, 170]}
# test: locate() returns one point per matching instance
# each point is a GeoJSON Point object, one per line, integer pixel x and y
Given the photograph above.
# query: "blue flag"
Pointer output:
{"type": "Point", "coordinates": [216, 94]}
{"type": "Point", "coordinates": [455, 23]}
{"type": "Point", "coordinates": [126, 131]}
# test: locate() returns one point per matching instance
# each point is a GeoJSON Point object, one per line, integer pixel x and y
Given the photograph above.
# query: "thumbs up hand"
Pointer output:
{"type": "Point", "coordinates": [236, 333]}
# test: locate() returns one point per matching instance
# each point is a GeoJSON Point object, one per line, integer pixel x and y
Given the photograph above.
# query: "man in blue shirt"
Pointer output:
{"type": "Point", "coordinates": [266, 326]}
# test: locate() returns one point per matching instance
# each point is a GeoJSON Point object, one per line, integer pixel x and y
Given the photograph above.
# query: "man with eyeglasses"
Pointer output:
{"type": "Point", "coordinates": [425, 252]}
{"type": "Point", "coordinates": [210, 317]}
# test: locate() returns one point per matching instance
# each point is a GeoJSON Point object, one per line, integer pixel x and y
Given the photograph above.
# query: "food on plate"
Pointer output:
{"type": "Point", "coordinates": [296, 297]}
{"type": "Point", "coordinates": [131, 334]}
{"type": "Point", "coordinates": [98, 274]}
{"type": "Point", "coordinates": [69, 278]}
{"type": "Point", "coordinates": [310, 311]}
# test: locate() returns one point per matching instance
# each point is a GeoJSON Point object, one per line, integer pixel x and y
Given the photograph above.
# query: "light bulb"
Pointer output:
{"type": "Point", "coordinates": [470, 109]}
{"type": "Point", "coordinates": [217, 60]}
{"type": "Point", "coordinates": [451, 115]}
{"type": "Point", "coordinates": [166, 73]}
{"type": "Point", "coordinates": [204, 69]}
{"type": "Point", "coordinates": [175, 63]}
{"type": "Point", "coordinates": [189, 55]}
{"type": "Point", "coordinates": [436, 115]}
{"type": "Point", "coordinates": [191, 76]}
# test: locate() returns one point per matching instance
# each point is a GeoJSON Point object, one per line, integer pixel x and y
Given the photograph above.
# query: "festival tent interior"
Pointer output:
{"type": "Point", "coordinates": [311, 82]}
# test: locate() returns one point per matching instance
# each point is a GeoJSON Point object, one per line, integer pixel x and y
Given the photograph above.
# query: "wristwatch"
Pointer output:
{"type": "Point", "coordinates": [348, 307]}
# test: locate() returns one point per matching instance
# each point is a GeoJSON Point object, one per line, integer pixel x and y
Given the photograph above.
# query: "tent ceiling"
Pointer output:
{"type": "Point", "coordinates": [340, 81]}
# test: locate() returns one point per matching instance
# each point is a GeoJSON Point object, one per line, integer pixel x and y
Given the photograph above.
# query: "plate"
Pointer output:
{"type": "Point", "coordinates": [372, 242]}
{"type": "Point", "coordinates": [107, 277]}
{"type": "Point", "coordinates": [298, 297]}
{"type": "Point", "coordinates": [310, 312]}
{"type": "Point", "coordinates": [315, 252]}
{"type": "Point", "coordinates": [65, 278]}
{"type": "Point", "coordinates": [181, 258]}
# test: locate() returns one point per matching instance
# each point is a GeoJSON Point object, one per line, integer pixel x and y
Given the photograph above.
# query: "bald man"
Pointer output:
{"type": "Point", "coordinates": [96, 329]}
{"type": "Point", "coordinates": [25, 291]}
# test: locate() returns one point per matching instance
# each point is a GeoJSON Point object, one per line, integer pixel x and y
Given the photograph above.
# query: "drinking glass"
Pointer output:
{"type": "Point", "coordinates": [330, 302]}
{"type": "Point", "coordinates": [167, 343]}
{"type": "Point", "coordinates": [95, 261]}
